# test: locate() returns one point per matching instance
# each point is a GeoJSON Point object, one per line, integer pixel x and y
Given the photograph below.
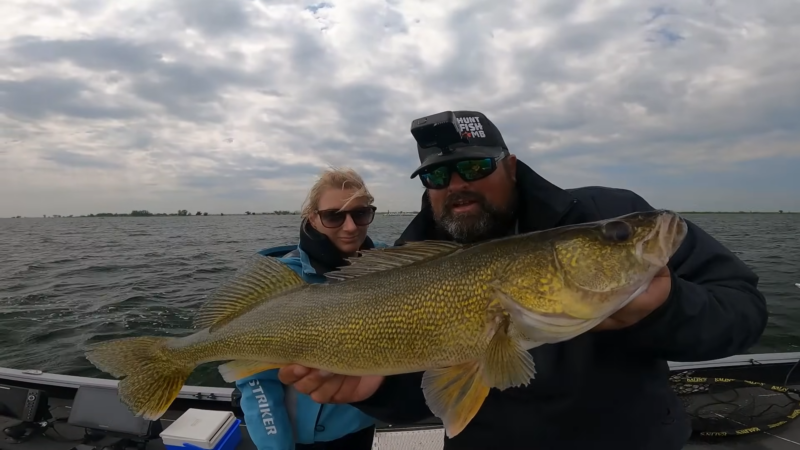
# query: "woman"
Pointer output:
{"type": "Point", "coordinates": [336, 216]}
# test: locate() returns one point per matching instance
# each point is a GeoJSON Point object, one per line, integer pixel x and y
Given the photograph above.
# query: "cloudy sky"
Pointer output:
{"type": "Point", "coordinates": [227, 106]}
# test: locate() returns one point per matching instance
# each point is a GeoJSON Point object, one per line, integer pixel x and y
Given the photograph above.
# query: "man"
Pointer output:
{"type": "Point", "coordinates": [605, 389]}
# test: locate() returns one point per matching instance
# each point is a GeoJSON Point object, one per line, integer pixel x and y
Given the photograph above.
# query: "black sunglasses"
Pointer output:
{"type": "Point", "coordinates": [333, 218]}
{"type": "Point", "coordinates": [439, 176]}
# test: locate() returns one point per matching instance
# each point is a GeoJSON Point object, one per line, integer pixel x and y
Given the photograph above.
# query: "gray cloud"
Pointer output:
{"type": "Point", "coordinates": [110, 54]}
{"type": "Point", "coordinates": [36, 98]}
{"type": "Point", "coordinates": [250, 99]}
{"type": "Point", "coordinates": [185, 92]}
{"type": "Point", "coordinates": [364, 107]}
{"type": "Point", "coordinates": [184, 88]}
{"type": "Point", "coordinates": [215, 18]}
{"type": "Point", "coordinates": [77, 160]}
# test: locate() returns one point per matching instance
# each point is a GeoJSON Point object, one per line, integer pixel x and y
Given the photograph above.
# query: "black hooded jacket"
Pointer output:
{"type": "Point", "coordinates": [602, 390]}
{"type": "Point", "coordinates": [322, 253]}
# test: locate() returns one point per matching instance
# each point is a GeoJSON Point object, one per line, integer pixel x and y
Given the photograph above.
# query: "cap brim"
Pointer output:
{"type": "Point", "coordinates": [460, 154]}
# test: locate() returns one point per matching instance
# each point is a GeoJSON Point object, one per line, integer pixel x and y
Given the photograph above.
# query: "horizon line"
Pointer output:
{"type": "Point", "coordinates": [297, 213]}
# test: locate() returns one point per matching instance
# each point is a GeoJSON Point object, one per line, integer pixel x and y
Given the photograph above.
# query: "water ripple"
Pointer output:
{"type": "Point", "coordinates": [68, 282]}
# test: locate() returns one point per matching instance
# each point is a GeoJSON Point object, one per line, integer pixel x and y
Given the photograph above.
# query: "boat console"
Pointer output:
{"type": "Point", "coordinates": [28, 406]}
{"type": "Point", "coordinates": [92, 419]}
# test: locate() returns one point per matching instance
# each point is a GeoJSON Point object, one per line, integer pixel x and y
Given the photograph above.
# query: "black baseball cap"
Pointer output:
{"type": "Point", "coordinates": [485, 141]}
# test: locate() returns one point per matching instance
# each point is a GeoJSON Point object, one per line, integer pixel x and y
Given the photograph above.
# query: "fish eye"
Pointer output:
{"type": "Point", "coordinates": [617, 231]}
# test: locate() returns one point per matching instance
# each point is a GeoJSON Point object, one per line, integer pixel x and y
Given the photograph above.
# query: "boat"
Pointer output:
{"type": "Point", "coordinates": [777, 369]}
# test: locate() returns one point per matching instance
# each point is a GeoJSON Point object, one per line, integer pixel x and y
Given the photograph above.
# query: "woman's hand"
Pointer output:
{"type": "Point", "coordinates": [325, 387]}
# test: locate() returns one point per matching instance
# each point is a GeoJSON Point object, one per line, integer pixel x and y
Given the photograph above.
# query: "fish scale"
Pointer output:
{"type": "Point", "coordinates": [465, 315]}
{"type": "Point", "coordinates": [405, 331]}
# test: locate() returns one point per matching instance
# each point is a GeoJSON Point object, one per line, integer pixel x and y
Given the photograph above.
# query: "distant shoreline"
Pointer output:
{"type": "Point", "coordinates": [297, 213]}
{"type": "Point", "coordinates": [739, 212]}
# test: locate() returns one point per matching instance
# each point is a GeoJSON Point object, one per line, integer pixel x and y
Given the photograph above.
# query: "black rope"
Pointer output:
{"type": "Point", "coordinates": [691, 390]}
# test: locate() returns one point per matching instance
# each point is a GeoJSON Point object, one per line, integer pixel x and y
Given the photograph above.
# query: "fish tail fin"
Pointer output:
{"type": "Point", "coordinates": [152, 375]}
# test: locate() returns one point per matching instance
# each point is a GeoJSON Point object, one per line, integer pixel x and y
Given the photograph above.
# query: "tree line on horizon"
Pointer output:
{"type": "Point", "coordinates": [181, 212]}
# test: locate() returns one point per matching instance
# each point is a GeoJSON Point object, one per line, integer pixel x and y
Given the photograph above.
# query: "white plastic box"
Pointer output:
{"type": "Point", "coordinates": [204, 429]}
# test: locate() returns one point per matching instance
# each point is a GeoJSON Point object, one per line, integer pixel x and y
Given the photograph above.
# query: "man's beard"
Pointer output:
{"type": "Point", "coordinates": [489, 222]}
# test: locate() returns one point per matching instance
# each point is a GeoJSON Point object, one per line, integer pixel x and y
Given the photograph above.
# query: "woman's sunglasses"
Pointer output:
{"type": "Point", "coordinates": [469, 170]}
{"type": "Point", "coordinates": [333, 218]}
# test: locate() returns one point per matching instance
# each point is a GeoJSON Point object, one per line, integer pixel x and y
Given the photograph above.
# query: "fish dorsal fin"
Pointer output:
{"type": "Point", "coordinates": [258, 280]}
{"type": "Point", "coordinates": [380, 259]}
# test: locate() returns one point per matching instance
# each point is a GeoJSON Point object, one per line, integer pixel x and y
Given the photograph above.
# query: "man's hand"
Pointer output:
{"type": "Point", "coordinates": [325, 387]}
{"type": "Point", "coordinates": [640, 307]}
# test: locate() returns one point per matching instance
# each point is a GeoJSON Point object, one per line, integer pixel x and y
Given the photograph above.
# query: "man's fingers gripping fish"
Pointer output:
{"type": "Point", "coordinates": [465, 315]}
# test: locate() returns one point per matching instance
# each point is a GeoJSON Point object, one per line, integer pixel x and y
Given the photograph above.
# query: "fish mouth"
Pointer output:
{"type": "Point", "coordinates": [669, 232]}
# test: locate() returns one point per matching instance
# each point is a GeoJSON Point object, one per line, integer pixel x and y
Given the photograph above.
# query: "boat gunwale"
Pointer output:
{"type": "Point", "coordinates": [208, 393]}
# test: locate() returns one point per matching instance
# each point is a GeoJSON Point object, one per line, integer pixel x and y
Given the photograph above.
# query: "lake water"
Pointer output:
{"type": "Point", "coordinates": [65, 281]}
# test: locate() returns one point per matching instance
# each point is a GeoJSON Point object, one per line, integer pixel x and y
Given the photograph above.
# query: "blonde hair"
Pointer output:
{"type": "Point", "coordinates": [342, 178]}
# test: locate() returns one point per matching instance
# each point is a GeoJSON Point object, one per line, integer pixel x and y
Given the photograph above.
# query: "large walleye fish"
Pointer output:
{"type": "Point", "coordinates": [466, 315]}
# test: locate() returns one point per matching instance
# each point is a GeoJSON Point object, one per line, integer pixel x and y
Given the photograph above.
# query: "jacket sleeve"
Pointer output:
{"type": "Point", "coordinates": [714, 309]}
{"type": "Point", "coordinates": [264, 412]}
{"type": "Point", "coordinates": [399, 401]}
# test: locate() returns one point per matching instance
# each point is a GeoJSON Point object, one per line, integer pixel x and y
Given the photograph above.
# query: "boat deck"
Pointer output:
{"type": "Point", "coordinates": [66, 437]}
{"type": "Point", "coordinates": [769, 368]}
{"type": "Point", "coordinates": [63, 436]}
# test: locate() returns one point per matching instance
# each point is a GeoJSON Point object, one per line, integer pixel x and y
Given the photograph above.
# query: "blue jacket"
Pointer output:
{"type": "Point", "coordinates": [277, 416]}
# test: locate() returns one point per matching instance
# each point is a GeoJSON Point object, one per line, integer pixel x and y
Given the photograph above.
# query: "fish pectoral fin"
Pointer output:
{"type": "Point", "coordinates": [242, 368]}
{"type": "Point", "coordinates": [258, 280]}
{"type": "Point", "coordinates": [524, 341]}
{"type": "Point", "coordinates": [380, 259]}
{"type": "Point", "coordinates": [507, 363]}
{"type": "Point", "coordinates": [455, 394]}
{"type": "Point", "coordinates": [538, 329]}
